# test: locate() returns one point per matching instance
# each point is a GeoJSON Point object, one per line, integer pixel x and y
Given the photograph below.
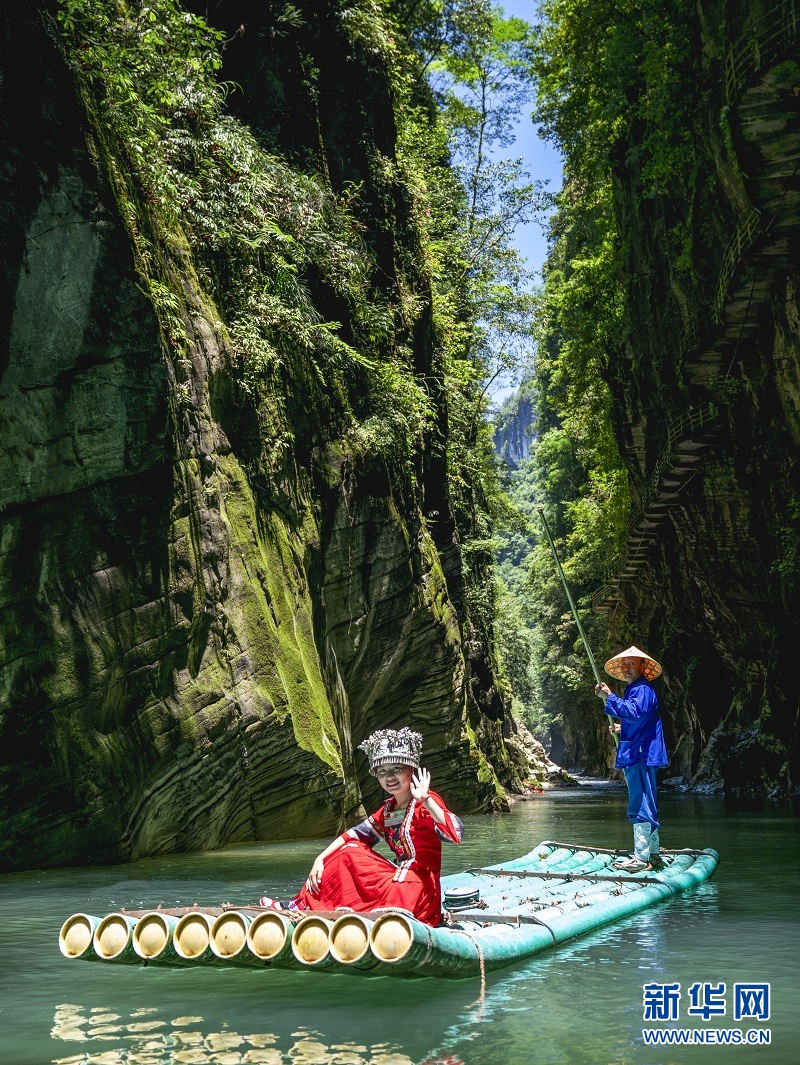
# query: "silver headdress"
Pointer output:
{"type": "Point", "coordinates": [388, 746]}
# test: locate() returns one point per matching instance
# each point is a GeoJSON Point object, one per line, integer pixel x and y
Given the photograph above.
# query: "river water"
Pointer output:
{"type": "Point", "coordinates": [581, 1003]}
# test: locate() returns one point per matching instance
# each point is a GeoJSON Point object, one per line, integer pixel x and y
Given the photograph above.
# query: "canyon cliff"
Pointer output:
{"type": "Point", "coordinates": [214, 583]}
{"type": "Point", "coordinates": [667, 387]}
{"type": "Point", "coordinates": [707, 408]}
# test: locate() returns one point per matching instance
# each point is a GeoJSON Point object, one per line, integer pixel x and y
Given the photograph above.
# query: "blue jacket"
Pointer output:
{"type": "Point", "coordinates": [642, 735]}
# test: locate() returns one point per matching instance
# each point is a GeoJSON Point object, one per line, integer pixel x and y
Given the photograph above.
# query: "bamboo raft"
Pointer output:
{"type": "Point", "coordinates": [553, 894]}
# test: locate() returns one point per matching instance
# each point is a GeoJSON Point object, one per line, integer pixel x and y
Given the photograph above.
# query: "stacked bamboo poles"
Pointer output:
{"type": "Point", "coordinates": [553, 894]}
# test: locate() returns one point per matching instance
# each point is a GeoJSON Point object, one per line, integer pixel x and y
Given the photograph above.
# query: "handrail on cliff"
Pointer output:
{"type": "Point", "coordinates": [761, 41]}
{"type": "Point", "coordinates": [606, 593]}
{"type": "Point", "coordinates": [747, 230]}
{"type": "Point", "coordinates": [743, 236]}
{"type": "Point", "coordinates": [759, 45]}
{"type": "Point", "coordinates": [678, 431]}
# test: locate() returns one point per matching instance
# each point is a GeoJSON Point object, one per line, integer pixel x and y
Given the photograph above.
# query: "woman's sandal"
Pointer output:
{"type": "Point", "coordinates": [269, 904]}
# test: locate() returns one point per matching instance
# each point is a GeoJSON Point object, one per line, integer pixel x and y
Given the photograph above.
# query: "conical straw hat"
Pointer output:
{"type": "Point", "coordinates": [651, 667]}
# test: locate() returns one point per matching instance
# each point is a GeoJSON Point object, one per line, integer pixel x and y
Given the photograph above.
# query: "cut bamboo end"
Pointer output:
{"type": "Point", "coordinates": [112, 937]}
{"type": "Point", "coordinates": [391, 937]}
{"type": "Point", "coordinates": [229, 935]}
{"type": "Point", "coordinates": [349, 939]}
{"type": "Point", "coordinates": [75, 937]}
{"type": "Point", "coordinates": [192, 936]}
{"type": "Point", "coordinates": [311, 941]}
{"type": "Point", "coordinates": [152, 937]}
{"type": "Point", "coordinates": [268, 935]}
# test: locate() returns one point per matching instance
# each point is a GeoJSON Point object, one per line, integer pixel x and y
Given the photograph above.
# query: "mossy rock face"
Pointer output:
{"type": "Point", "coordinates": [198, 626]}
{"type": "Point", "coordinates": [720, 601]}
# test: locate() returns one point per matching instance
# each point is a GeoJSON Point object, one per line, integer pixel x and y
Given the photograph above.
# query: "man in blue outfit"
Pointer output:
{"type": "Point", "coordinates": [641, 749]}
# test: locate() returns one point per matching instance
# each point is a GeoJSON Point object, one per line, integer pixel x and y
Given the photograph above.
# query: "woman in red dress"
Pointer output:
{"type": "Point", "coordinates": [413, 821]}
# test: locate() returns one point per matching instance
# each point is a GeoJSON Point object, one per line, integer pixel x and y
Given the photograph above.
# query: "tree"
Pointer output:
{"type": "Point", "coordinates": [482, 84]}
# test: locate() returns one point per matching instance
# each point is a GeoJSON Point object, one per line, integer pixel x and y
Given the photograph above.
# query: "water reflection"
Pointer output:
{"type": "Point", "coordinates": [534, 1006]}
{"type": "Point", "coordinates": [536, 997]}
{"type": "Point", "coordinates": [582, 1003]}
{"type": "Point", "coordinates": [185, 1043]}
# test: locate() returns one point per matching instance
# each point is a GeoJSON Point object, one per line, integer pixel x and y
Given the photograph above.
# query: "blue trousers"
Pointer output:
{"type": "Point", "coordinates": [642, 799]}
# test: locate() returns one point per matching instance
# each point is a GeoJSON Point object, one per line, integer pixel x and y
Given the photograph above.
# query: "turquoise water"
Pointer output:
{"type": "Point", "coordinates": [582, 1003]}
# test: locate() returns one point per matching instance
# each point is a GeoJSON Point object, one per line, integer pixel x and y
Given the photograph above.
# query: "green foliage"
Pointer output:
{"type": "Point", "coordinates": [481, 83]}
{"type": "Point", "coordinates": [612, 94]}
{"type": "Point", "coordinates": [515, 647]}
{"type": "Point", "coordinates": [603, 66]}
{"type": "Point", "coordinates": [611, 81]}
{"type": "Point", "coordinates": [788, 566]}
{"type": "Point", "coordinates": [257, 227]}
{"type": "Point", "coordinates": [574, 469]}
{"type": "Point", "coordinates": [457, 107]}
{"type": "Point", "coordinates": [585, 62]}
{"type": "Point", "coordinates": [264, 237]}
{"type": "Point", "coordinates": [471, 204]}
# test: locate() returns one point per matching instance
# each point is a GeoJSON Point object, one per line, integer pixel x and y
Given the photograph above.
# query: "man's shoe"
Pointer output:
{"type": "Point", "coordinates": [631, 865]}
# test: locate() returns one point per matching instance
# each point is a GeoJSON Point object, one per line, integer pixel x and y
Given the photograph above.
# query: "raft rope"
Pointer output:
{"type": "Point", "coordinates": [510, 919]}
{"type": "Point", "coordinates": [620, 850]}
{"type": "Point", "coordinates": [593, 878]}
{"type": "Point", "coordinates": [424, 960]}
{"type": "Point", "coordinates": [482, 964]}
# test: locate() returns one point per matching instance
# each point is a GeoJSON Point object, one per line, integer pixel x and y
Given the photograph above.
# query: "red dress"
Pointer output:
{"type": "Point", "coordinates": [357, 878]}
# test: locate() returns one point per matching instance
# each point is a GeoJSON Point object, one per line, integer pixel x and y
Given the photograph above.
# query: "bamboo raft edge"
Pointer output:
{"type": "Point", "coordinates": [575, 892]}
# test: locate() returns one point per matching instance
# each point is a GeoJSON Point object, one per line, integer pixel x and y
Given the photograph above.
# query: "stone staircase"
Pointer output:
{"type": "Point", "coordinates": [762, 88]}
{"type": "Point", "coordinates": [688, 438]}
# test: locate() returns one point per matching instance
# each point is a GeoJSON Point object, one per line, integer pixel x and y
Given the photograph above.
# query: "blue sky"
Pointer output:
{"type": "Point", "coordinates": [543, 163]}
{"type": "Point", "coordinates": [541, 158]}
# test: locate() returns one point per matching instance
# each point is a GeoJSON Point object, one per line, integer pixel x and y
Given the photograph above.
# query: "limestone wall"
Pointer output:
{"type": "Point", "coordinates": [198, 624]}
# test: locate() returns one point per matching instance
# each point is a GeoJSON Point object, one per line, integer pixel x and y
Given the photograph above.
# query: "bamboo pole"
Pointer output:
{"type": "Point", "coordinates": [228, 939]}
{"type": "Point", "coordinates": [592, 662]}
{"type": "Point", "coordinates": [349, 941]}
{"type": "Point", "coordinates": [269, 938]}
{"type": "Point", "coordinates": [192, 937]}
{"type": "Point", "coordinates": [75, 937]}
{"type": "Point", "coordinates": [152, 937]}
{"type": "Point", "coordinates": [311, 943]}
{"type": "Point", "coordinates": [113, 938]}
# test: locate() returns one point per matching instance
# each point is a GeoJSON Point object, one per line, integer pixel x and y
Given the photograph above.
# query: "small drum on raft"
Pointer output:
{"type": "Point", "coordinates": [461, 898]}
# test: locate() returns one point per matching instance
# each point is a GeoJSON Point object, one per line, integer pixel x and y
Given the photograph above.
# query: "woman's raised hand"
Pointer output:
{"type": "Point", "coordinates": [315, 876]}
{"type": "Point", "coordinates": [420, 785]}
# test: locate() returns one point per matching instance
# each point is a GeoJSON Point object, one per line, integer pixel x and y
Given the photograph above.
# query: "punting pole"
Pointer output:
{"type": "Point", "coordinates": [592, 662]}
